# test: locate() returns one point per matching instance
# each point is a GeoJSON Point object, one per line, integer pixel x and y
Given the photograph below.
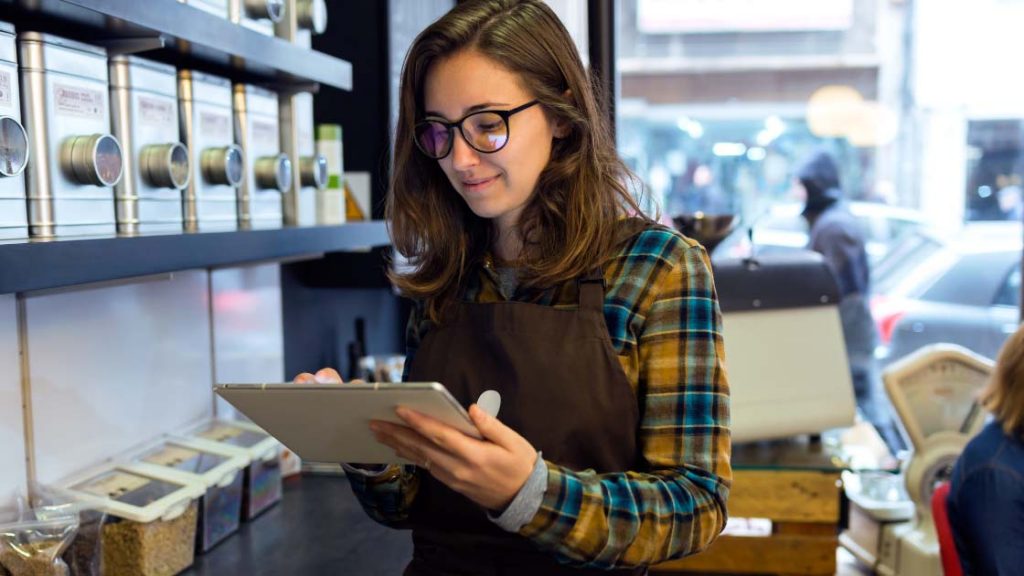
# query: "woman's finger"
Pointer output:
{"type": "Point", "coordinates": [328, 376]}
{"type": "Point", "coordinates": [305, 378]}
{"type": "Point", "coordinates": [412, 446]}
{"type": "Point", "coordinates": [440, 434]}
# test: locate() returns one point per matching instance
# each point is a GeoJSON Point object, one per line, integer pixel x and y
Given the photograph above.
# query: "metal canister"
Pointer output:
{"type": "Point", "coordinates": [258, 15]}
{"type": "Point", "coordinates": [217, 163]}
{"type": "Point", "coordinates": [302, 19]}
{"type": "Point", "coordinates": [269, 173]}
{"type": "Point", "coordinates": [298, 142]}
{"type": "Point", "coordinates": [14, 149]}
{"type": "Point", "coordinates": [75, 159]}
{"type": "Point", "coordinates": [144, 98]}
{"type": "Point", "coordinates": [215, 7]}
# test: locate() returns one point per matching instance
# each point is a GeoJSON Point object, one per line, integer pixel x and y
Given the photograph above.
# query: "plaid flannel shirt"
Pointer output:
{"type": "Point", "coordinates": [662, 315]}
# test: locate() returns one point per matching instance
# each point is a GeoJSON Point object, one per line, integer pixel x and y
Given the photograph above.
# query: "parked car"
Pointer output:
{"type": "Point", "coordinates": [782, 229]}
{"type": "Point", "coordinates": [961, 288]}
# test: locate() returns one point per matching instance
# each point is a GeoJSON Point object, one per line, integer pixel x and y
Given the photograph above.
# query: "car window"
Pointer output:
{"type": "Point", "coordinates": [1009, 293]}
{"type": "Point", "coordinates": [973, 280]}
{"type": "Point", "coordinates": [902, 261]}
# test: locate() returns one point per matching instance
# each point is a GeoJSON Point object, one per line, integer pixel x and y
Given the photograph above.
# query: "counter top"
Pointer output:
{"type": "Point", "coordinates": [317, 528]}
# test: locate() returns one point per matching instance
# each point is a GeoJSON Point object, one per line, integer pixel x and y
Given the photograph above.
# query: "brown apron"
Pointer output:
{"type": "Point", "coordinates": [562, 388]}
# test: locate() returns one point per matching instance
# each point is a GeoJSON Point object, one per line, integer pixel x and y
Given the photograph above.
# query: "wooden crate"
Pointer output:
{"type": "Point", "coordinates": [804, 509]}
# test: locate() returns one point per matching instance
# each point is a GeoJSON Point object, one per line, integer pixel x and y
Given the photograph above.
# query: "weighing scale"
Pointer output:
{"type": "Point", "coordinates": [934, 392]}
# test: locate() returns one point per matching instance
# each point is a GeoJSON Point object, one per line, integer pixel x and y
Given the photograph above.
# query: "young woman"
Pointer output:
{"type": "Point", "coordinates": [986, 495]}
{"type": "Point", "coordinates": [535, 276]}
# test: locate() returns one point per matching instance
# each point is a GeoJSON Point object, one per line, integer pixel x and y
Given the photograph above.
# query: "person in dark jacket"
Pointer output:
{"type": "Point", "coordinates": [836, 235]}
{"type": "Point", "coordinates": [986, 495]}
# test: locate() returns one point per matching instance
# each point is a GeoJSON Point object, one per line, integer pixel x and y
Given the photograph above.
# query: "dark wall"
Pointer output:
{"type": "Point", "coordinates": [358, 32]}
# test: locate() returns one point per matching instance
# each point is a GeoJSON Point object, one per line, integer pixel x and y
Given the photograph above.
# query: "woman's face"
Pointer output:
{"type": "Point", "coordinates": [496, 185]}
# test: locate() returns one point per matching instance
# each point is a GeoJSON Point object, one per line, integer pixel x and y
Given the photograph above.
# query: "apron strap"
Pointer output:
{"type": "Point", "coordinates": [591, 289]}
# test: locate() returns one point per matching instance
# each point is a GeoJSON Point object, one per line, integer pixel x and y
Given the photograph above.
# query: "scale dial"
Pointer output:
{"type": "Point", "coordinates": [936, 390]}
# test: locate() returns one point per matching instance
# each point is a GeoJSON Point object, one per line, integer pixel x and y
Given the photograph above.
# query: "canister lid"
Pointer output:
{"type": "Point", "coordinates": [203, 77]}
{"type": "Point", "coordinates": [184, 459]}
{"type": "Point", "coordinates": [125, 61]}
{"type": "Point", "coordinates": [126, 491]}
{"type": "Point", "coordinates": [41, 38]}
{"type": "Point", "coordinates": [328, 132]}
{"type": "Point", "coordinates": [253, 90]}
{"type": "Point", "coordinates": [238, 437]}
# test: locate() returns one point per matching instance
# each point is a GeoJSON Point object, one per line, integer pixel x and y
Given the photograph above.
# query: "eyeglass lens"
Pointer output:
{"type": "Point", "coordinates": [485, 131]}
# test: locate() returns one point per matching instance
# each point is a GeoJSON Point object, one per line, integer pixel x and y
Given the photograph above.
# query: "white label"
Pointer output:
{"type": "Point", "coordinates": [75, 101]}
{"type": "Point", "coordinates": [171, 456]}
{"type": "Point", "coordinates": [5, 89]}
{"type": "Point", "coordinates": [221, 432]}
{"type": "Point", "coordinates": [264, 132]}
{"type": "Point", "coordinates": [214, 125]}
{"type": "Point", "coordinates": [305, 137]}
{"type": "Point", "coordinates": [115, 484]}
{"type": "Point", "coordinates": [156, 112]}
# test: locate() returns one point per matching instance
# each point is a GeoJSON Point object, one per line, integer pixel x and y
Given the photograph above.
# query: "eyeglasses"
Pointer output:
{"type": "Point", "coordinates": [485, 131]}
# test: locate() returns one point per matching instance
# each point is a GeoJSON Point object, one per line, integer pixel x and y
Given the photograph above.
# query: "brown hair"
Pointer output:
{"type": "Point", "coordinates": [1004, 396]}
{"type": "Point", "coordinates": [569, 224]}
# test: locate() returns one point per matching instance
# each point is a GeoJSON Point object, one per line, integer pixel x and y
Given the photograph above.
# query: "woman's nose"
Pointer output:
{"type": "Point", "coordinates": [463, 155]}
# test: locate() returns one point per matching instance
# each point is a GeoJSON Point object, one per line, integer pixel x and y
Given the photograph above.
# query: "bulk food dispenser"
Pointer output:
{"type": "Point", "coordinates": [75, 160]}
{"type": "Point", "coordinates": [269, 173]}
{"type": "Point", "coordinates": [145, 114]}
{"type": "Point", "coordinates": [217, 164]}
{"type": "Point", "coordinates": [14, 149]}
{"type": "Point", "coordinates": [262, 484]}
{"type": "Point", "coordinates": [219, 471]}
{"type": "Point", "coordinates": [258, 15]}
{"type": "Point", "coordinates": [150, 528]}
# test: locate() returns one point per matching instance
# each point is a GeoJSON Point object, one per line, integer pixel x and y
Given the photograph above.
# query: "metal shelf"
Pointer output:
{"type": "Point", "coordinates": [189, 36]}
{"type": "Point", "coordinates": [39, 265]}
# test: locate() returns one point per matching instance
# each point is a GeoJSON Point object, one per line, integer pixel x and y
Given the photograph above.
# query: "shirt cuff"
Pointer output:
{"type": "Point", "coordinates": [524, 506]}
{"type": "Point", "coordinates": [368, 470]}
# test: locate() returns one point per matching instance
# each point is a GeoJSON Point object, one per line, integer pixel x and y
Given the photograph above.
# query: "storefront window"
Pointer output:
{"type": "Point", "coordinates": [723, 100]}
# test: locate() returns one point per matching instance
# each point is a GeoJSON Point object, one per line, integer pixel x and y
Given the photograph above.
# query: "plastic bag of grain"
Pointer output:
{"type": "Point", "coordinates": [84, 554]}
{"type": "Point", "coordinates": [32, 546]}
{"type": "Point", "coordinates": [150, 527]}
{"type": "Point", "coordinates": [220, 471]}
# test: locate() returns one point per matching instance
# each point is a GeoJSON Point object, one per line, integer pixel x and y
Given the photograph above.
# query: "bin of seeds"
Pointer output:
{"type": "Point", "coordinates": [262, 483]}
{"type": "Point", "coordinates": [221, 473]}
{"type": "Point", "coordinates": [150, 525]}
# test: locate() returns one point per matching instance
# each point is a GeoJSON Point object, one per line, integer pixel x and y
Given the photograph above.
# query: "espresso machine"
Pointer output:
{"type": "Point", "coordinates": [786, 356]}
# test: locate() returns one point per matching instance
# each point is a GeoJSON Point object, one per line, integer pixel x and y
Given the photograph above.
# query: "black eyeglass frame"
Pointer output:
{"type": "Point", "coordinates": [450, 126]}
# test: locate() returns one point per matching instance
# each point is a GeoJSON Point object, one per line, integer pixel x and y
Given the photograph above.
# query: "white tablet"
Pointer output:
{"type": "Point", "coordinates": [330, 422]}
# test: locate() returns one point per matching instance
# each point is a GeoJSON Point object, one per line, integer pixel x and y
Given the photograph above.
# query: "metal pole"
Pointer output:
{"type": "Point", "coordinates": [601, 24]}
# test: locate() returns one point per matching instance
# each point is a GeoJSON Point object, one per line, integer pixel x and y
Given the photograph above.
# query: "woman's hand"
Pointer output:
{"type": "Point", "coordinates": [322, 376]}
{"type": "Point", "coordinates": [489, 472]}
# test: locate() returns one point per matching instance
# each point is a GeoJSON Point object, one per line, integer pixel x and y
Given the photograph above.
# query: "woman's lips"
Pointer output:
{"type": "Point", "coordinates": [478, 184]}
